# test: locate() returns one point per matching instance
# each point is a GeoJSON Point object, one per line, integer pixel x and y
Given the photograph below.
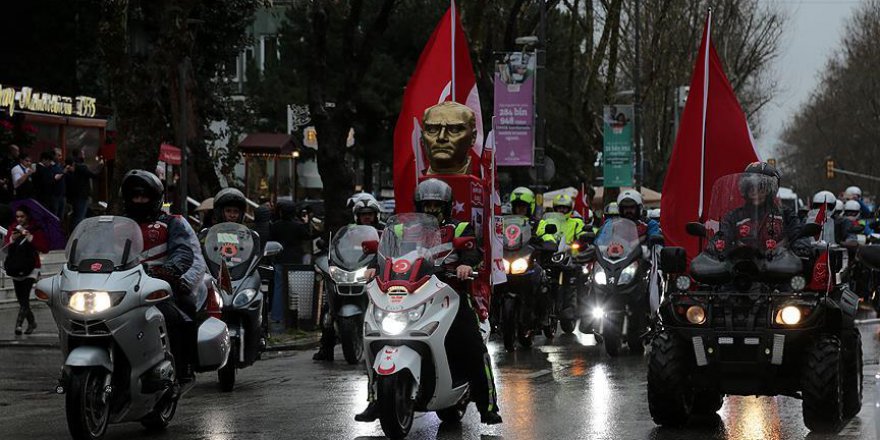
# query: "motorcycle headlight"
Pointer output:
{"type": "Point", "coordinates": [394, 323]}
{"type": "Point", "coordinates": [798, 283]}
{"type": "Point", "coordinates": [628, 274]}
{"type": "Point", "coordinates": [416, 313]}
{"type": "Point", "coordinates": [506, 266]}
{"type": "Point", "coordinates": [789, 315]}
{"type": "Point", "coordinates": [520, 265]}
{"type": "Point", "coordinates": [244, 297]}
{"type": "Point", "coordinates": [696, 314]}
{"type": "Point", "coordinates": [345, 277]}
{"type": "Point", "coordinates": [599, 276]}
{"type": "Point", "coordinates": [683, 283]}
{"type": "Point", "coordinates": [89, 303]}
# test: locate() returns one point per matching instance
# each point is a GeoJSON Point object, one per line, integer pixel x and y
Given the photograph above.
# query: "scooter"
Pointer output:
{"type": "Point", "coordinates": [233, 254]}
{"type": "Point", "coordinates": [527, 295]}
{"type": "Point", "coordinates": [344, 272]}
{"type": "Point", "coordinates": [118, 364]}
{"type": "Point", "coordinates": [411, 310]}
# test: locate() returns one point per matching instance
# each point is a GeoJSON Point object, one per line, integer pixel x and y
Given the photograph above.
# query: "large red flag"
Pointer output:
{"type": "Point", "coordinates": [713, 140]}
{"type": "Point", "coordinates": [433, 82]}
{"type": "Point", "coordinates": [581, 205]}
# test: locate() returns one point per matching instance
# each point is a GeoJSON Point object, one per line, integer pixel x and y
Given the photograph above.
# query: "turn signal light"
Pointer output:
{"type": "Point", "coordinates": [42, 296]}
{"type": "Point", "coordinates": [157, 295]}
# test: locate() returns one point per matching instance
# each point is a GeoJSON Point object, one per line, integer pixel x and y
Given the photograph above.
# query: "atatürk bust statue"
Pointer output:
{"type": "Point", "coordinates": [449, 133]}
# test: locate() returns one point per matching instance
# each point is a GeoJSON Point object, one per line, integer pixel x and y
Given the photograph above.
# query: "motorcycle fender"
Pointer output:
{"type": "Point", "coordinates": [392, 360]}
{"type": "Point", "coordinates": [348, 310]}
{"type": "Point", "coordinates": [86, 356]}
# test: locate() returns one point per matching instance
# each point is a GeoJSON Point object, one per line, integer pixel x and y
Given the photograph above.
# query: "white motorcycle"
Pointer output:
{"type": "Point", "coordinates": [411, 310]}
{"type": "Point", "coordinates": [118, 363]}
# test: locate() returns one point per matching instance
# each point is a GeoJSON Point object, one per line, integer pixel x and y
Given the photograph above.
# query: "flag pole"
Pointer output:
{"type": "Point", "coordinates": [452, 46]}
{"type": "Point", "coordinates": [705, 107]}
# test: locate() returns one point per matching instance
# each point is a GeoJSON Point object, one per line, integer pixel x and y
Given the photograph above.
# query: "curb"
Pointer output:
{"type": "Point", "coordinates": [23, 343]}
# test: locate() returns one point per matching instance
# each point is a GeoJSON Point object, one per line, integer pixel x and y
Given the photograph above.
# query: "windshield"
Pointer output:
{"type": "Point", "coordinates": [107, 238]}
{"type": "Point", "coordinates": [618, 238]}
{"type": "Point", "coordinates": [517, 232]}
{"type": "Point", "coordinates": [412, 236]}
{"type": "Point", "coordinates": [231, 243]}
{"type": "Point", "coordinates": [745, 212]}
{"type": "Point", "coordinates": [346, 249]}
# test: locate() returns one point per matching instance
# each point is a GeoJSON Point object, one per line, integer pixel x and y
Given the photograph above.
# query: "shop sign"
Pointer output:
{"type": "Point", "coordinates": [25, 99]}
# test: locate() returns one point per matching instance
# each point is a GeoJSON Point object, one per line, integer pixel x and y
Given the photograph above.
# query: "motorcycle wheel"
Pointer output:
{"type": "Point", "coordinates": [226, 375]}
{"type": "Point", "coordinates": [611, 340]}
{"type": "Point", "coordinates": [161, 415]}
{"type": "Point", "coordinates": [550, 330]}
{"type": "Point", "coordinates": [822, 386]}
{"type": "Point", "coordinates": [852, 378]}
{"type": "Point", "coordinates": [567, 325]}
{"type": "Point", "coordinates": [508, 323]}
{"type": "Point", "coordinates": [453, 414]}
{"type": "Point", "coordinates": [86, 405]}
{"type": "Point", "coordinates": [351, 331]}
{"type": "Point", "coordinates": [670, 396]}
{"type": "Point", "coordinates": [396, 406]}
{"type": "Point", "coordinates": [707, 402]}
{"type": "Point", "coordinates": [635, 328]}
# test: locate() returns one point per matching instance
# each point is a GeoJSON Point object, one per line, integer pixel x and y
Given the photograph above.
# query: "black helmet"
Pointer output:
{"type": "Point", "coordinates": [229, 197]}
{"type": "Point", "coordinates": [434, 190]}
{"type": "Point", "coordinates": [765, 169]}
{"type": "Point", "coordinates": [142, 183]}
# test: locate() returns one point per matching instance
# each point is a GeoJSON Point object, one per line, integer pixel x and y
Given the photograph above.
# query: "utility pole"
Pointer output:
{"type": "Point", "coordinates": [182, 134]}
{"type": "Point", "coordinates": [637, 99]}
{"type": "Point", "coordinates": [540, 126]}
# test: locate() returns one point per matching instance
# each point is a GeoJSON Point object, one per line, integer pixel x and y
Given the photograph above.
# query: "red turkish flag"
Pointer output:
{"type": "Point", "coordinates": [713, 140]}
{"type": "Point", "coordinates": [431, 83]}
{"type": "Point", "coordinates": [581, 206]}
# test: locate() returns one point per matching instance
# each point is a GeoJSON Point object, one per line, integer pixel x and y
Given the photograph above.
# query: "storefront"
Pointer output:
{"type": "Point", "coordinates": [270, 162]}
{"type": "Point", "coordinates": [38, 121]}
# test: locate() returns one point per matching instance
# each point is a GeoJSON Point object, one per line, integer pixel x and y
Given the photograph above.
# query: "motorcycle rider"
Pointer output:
{"type": "Point", "coordinates": [229, 206]}
{"type": "Point", "coordinates": [464, 343]}
{"type": "Point", "coordinates": [574, 225]}
{"type": "Point", "coordinates": [855, 193]}
{"type": "Point", "coordinates": [629, 203]}
{"type": "Point", "coordinates": [171, 253]}
{"type": "Point", "coordinates": [611, 211]}
{"type": "Point", "coordinates": [838, 209]}
{"type": "Point", "coordinates": [855, 225]}
{"type": "Point", "coordinates": [365, 211]}
{"type": "Point", "coordinates": [827, 199]}
{"type": "Point", "coordinates": [522, 203]}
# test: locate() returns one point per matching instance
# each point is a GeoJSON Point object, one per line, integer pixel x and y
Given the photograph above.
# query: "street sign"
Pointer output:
{"type": "Point", "coordinates": [618, 146]}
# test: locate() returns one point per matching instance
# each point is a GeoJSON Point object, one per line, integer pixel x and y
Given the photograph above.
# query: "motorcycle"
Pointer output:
{"type": "Point", "coordinates": [345, 277]}
{"type": "Point", "coordinates": [524, 304]}
{"type": "Point", "coordinates": [410, 312]}
{"type": "Point", "coordinates": [232, 252]}
{"type": "Point", "coordinates": [118, 364]}
{"type": "Point", "coordinates": [617, 305]}
{"type": "Point", "coordinates": [561, 267]}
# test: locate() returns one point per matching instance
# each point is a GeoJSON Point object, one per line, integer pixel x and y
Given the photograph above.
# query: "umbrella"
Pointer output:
{"type": "Point", "coordinates": [206, 205]}
{"type": "Point", "coordinates": [47, 221]}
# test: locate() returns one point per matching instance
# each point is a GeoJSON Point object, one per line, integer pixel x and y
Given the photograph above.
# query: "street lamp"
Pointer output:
{"type": "Point", "coordinates": [295, 156]}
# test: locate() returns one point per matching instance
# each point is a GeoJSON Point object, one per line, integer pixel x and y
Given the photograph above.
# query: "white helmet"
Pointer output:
{"type": "Point", "coordinates": [852, 192]}
{"type": "Point", "coordinates": [852, 205]}
{"type": "Point", "coordinates": [364, 202]}
{"type": "Point", "coordinates": [654, 214]}
{"type": "Point", "coordinates": [824, 198]}
{"type": "Point", "coordinates": [838, 207]}
{"type": "Point", "coordinates": [630, 194]}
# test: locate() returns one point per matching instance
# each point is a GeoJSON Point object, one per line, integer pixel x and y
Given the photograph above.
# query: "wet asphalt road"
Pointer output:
{"type": "Point", "coordinates": [569, 389]}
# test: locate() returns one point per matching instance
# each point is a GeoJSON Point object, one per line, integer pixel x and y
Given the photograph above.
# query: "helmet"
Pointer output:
{"type": "Point", "coordinates": [563, 200]}
{"type": "Point", "coordinates": [824, 198]}
{"type": "Point", "coordinates": [853, 192]}
{"type": "Point", "coordinates": [627, 200]}
{"type": "Point", "coordinates": [765, 169]}
{"type": "Point", "coordinates": [838, 207]}
{"type": "Point", "coordinates": [852, 206]}
{"type": "Point", "coordinates": [365, 203]}
{"type": "Point", "coordinates": [523, 195]}
{"type": "Point", "coordinates": [654, 214]}
{"type": "Point", "coordinates": [612, 210]}
{"type": "Point", "coordinates": [142, 183]}
{"type": "Point", "coordinates": [629, 194]}
{"type": "Point", "coordinates": [229, 197]}
{"type": "Point", "coordinates": [434, 190]}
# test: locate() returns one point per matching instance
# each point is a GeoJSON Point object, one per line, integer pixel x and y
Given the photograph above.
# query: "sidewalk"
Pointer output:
{"type": "Point", "coordinates": [46, 334]}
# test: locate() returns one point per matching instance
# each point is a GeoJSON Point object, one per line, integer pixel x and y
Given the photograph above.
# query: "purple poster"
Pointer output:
{"type": "Point", "coordinates": [515, 109]}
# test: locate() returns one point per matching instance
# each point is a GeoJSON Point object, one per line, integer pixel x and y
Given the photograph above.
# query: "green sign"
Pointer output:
{"type": "Point", "coordinates": [617, 156]}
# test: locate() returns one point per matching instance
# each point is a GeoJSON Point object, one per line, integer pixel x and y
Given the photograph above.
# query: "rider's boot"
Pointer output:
{"type": "Point", "coordinates": [370, 414]}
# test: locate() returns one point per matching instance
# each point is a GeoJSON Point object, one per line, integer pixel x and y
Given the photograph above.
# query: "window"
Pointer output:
{"type": "Point", "coordinates": [269, 53]}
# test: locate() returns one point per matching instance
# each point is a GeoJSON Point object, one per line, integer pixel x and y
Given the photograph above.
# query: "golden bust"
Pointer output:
{"type": "Point", "coordinates": [449, 133]}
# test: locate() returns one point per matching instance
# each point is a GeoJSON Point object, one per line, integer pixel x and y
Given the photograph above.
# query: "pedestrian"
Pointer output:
{"type": "Point", "coordinates": [23, 243]}
{"type": "Point", "coordinates": [44, 178]}
{"type": "Point", "coordinates": [59, 185]}
{"type": "Point", "coordinates": [79, 187]}
{"type": "Point", "coordinates": [22, 177]}
{"type": "Point", "coordinates": [291, 232]}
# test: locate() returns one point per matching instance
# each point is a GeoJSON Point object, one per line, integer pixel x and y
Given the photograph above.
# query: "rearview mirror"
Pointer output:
{"type": "Point", "coordinates": [696, 229]}
{"type": "Point", "coordinates": [809, 230]}
{"type": "Point", "coordinates": [370, 247]}
{"type": "Point", "coordinates": [463, 243]}
{"type": "Point", "coordinates": [272, 249]}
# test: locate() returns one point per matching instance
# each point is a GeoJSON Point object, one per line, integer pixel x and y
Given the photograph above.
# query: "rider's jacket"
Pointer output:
{"type": "Point", "coordinates": [450, 229]}
{"type": "Point", "coordinates": [170, 243]}
{"type": "Point", "coordinates": [763, 222]}
{"type": "Point", "coordinates": [574, 227]}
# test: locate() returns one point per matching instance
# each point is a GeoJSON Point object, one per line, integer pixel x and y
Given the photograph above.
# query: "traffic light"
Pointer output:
{"type": "Point", "coordinates": [829, 169]}
{"type": "Point", "coordinates": [772, 162]}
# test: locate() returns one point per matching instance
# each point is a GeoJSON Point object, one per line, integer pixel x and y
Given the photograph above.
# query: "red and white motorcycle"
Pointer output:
{"type": "Point", "coordinates": [410, 312]}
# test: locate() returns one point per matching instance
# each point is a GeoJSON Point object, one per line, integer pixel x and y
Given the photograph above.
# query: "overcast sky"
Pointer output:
{"type": "Point", "coordinates": [813, 33]}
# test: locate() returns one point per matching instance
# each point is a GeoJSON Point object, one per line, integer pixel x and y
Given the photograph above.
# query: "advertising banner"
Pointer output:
{"type": "Point", "coordinates": [515, 109]}
{"type": "Point", "coordinates": [618, 146]}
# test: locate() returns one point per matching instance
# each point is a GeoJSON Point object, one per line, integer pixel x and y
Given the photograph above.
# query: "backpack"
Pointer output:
{"type": "Point", "coordinates": [20, 259]}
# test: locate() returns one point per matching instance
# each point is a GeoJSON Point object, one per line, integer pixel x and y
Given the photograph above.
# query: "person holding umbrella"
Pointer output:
{"type": "Point", "coordinates": [23, 244]}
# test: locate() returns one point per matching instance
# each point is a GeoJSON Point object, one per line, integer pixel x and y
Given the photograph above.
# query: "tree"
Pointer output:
{"type": "Point", "coordinates": [841, 120]}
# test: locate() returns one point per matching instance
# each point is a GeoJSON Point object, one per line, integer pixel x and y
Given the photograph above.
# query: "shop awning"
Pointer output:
{"type": "Point", "coordinates": [169, 154]}
{"type": "Point", "coordinates": [267, 143]}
